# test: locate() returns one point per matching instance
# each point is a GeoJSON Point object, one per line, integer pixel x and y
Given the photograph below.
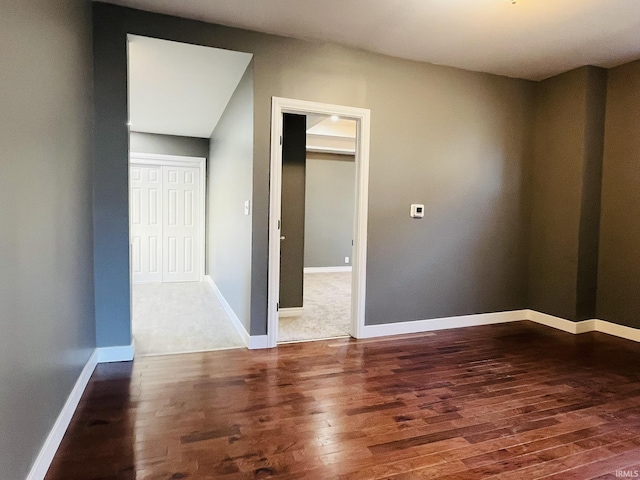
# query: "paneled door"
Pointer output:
{"type": "Point", "coordinates": [180, 192]}
{"type": "Point", "coordinates": [145, 205]}
{"type": "Point", "coordinates": [167, 222]}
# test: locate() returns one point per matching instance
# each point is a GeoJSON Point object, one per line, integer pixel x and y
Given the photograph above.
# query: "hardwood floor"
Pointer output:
{"type": "Point", "coordinates": [510, 401]}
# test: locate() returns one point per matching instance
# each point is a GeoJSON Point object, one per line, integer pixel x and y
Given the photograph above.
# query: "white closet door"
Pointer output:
{"type": "Point", "coordinates": [181, 193]}
{"type": "Point", "coordinates": [145, 206]}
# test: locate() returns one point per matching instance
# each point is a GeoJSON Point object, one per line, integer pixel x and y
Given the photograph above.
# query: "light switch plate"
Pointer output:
{"type": "Point", "coordinates": [247, 207]}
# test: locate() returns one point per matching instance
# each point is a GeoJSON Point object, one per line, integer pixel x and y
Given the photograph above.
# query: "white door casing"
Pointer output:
{"type": "Point", "coordinates": [179, 206]}
{"type": "Point", "coordinates": [358, 287]}
{"type": "Point", "coordinates": [145, 204]}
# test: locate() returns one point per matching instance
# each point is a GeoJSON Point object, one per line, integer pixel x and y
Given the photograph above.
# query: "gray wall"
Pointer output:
{"type": "Point", "coordinates": [454, 140]}
{"type": "Point", "coordinates": [565, 205]}
{"type": "Point", "coordinates": [140, 142]}
{"type": "Point", "coordinates": [591, 193]}
{"type": "Point", "coordinates": [330, 205]}
{"type": "Point", "coordinates": [229, 185]}
{"type": "Point", "coordinates": [619, 265]}
{"type": "Point", "coordinates": [46, 271]}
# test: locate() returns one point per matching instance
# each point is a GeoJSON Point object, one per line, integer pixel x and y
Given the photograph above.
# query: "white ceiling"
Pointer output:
{"type": "Point", "coordinates": [532, 39]}
{"type": "Point", "coordinates": [338, 127]}
{"type": "Point", "coordinates": [180, 89]}
{"type": "Point", "coordinates": [328, 134]}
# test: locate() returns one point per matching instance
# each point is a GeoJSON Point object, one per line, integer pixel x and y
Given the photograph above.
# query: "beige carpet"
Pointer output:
{"type": "Point", "coordinates": [179, 318]}
{"type": "Point", "coordinates": [327, 305]}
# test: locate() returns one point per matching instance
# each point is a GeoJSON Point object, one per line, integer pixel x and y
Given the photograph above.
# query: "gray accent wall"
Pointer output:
{"type": "Point", "coordinates": [565, 196]}
{"type": "Point", "coordinates": [329, 209]}
{"type": "Point", "coordinates": [619, 262]}
{"type": "Point", "coordinates": [140, 142]}
{"type": "Point", "coordinates": [47, 328]}
{"type": "Point", "coordinates": [454, 140]}
{"type": "Point", "coordinates": [229, 184]}
{"type": "Point", "coordinates": [111, 182]}
{"type": "Point", "coordinates": [292, 211]}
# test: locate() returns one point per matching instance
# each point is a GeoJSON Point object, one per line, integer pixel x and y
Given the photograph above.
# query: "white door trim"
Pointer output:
{"type": "Point", "coordinates": [362, 117]}
{"type": "Point", "coordinates": [179, 161]}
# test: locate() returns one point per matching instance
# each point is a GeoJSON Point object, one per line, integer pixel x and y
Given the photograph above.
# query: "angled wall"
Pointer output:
{"type": "Point", "coordinates": [565, 193]}
{"type": "Point", "coordinates": [619, 262]}
{"type": "Point", "coordinates": [229, 185]}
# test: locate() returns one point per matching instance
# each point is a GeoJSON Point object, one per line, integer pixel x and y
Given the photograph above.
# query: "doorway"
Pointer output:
{"type": "Point", "coordinates": [361, 117]}
{"type": "Point", "coordinates": [186, 112]}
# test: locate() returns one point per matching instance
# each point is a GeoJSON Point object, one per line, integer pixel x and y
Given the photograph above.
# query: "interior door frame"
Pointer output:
{"type": "Point", "coordinates": [161, 160]}
{"type": "Point", "coordinates": [362, 117]}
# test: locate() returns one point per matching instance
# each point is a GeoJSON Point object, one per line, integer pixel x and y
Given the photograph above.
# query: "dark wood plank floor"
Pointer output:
{"type": "Point", "coordinates": [511, 401]}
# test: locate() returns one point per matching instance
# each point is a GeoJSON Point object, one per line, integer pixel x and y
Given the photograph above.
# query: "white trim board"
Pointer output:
{"type": "Point", "coordinates": [51, 444]}
{"type": "Point", "coordinates": [419, 326]}
{"type": "Point", "coordinates": [585, 326]}
{"type": "Point", "coordinates": [561, 323]}
{"type": "Point", "coordinates": [174, 160]}
{"type": "Point", "coordinates": [576, 328]}
{"type": "Point", "coordinates": [336, 151]}
{"type": "Point", "coordinates": [237, 324]}
{"type": "Point", "coordinates": [257, 342]}
{"type": "Point", "coordinates": [362, 117]}
{"type": "Point", "coordinates": [290, 312]}
{"type": "Point", "coordinates": [115, 354]}
{"type": "Point", "coordinates": [253, 342]}
{"type": "Point", "coordinates": [345, 268]}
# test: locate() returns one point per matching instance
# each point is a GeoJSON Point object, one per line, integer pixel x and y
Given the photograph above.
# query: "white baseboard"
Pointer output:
{"type": "Point", "coordinates": [585, 326]}
{"type": "Point", "coordinates": [346, 268]}
{"type": "Point", "coordinates": [51, 444]}
{"type": "Point", "coordinates": [115, 354]}
{"type": "Point", "coordinates": [418, 326]}
{"type": "Point", "coordinates": [576, 328]}
{"type": "Point", "coordinates": [229, 311]}
{"type": "Point", "coordinates": [290, 312]}
{"type": "Point", "coordinates": [559, 323]}
{"type": "Point", "coordinates": [257, 342]}
{"type": "Point", "coordinates": [616, 330]}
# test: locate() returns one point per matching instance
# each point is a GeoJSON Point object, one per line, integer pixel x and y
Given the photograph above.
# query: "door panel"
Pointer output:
{"type": "Point", "coordinates": [181, 188]}
{"type": "Point", "coordinates": [146, 226]}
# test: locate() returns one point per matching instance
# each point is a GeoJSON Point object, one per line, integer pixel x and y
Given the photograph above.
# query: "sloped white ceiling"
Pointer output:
{"type": "Point", "coordinates": [338, 127]}
{"type": "Point", "coordinates": [180, 89]}
{"type": "Point", "coordinates": [328, 134]}
{"type": "Point", "coordinates": [531, 39]}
